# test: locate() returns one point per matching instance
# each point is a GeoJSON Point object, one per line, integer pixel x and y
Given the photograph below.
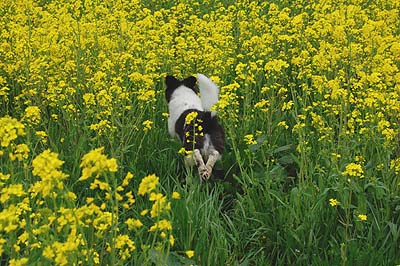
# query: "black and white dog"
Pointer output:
{"type": "Point", "coordinates": [192, 121]}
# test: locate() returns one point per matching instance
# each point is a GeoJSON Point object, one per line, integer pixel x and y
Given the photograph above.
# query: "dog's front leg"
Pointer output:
{"type": "Point", "coordinates": [203, 171]}
{"type": "Point", "coordinates": [212, 159]}
{"type": "Point", "coordinates": [197, 159]}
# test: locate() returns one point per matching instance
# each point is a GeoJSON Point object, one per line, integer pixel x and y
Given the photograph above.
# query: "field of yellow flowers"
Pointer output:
{"type": "Point", "coordinates": [310, 102]}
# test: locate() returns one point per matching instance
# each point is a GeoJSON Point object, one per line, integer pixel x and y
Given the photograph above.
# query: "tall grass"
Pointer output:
{"type": "Point", "coordinates": [309, 101]}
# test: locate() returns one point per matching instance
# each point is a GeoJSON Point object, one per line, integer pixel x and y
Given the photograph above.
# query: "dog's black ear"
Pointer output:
{"type": "Point", "coordinates": [172, 82]}
{"type": "Point", "coordinates": [190, 82]}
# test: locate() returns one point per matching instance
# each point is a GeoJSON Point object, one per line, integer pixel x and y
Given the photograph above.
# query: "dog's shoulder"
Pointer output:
{"type": "Point", "coordinates": [173, 83]}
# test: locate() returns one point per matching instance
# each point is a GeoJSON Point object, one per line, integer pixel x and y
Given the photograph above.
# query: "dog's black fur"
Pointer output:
{"type": "Point", "coordinates": [210, 126]}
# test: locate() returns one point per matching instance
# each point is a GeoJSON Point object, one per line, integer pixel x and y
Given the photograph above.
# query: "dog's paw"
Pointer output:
{"type": "Point", "coordinates": [205, 172]}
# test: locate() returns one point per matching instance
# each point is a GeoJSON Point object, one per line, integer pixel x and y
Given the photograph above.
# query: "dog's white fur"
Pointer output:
{"type": "Point", "coordinates": [184, 98]}
{"type": "Point", "coordinates": [209, 93]}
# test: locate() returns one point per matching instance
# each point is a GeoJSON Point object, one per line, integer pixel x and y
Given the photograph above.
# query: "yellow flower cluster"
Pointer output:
{"type": "Point", "coordinates": [183, 151]}
{"type": "Point", "coordinates": [189, 253]}
{"type": "Point", "coordinates": [148, 184]}
{"type": "Point", "coordinates": [160, 204]}
{"type": "Point", "coordinates": [190, 117]}
{"type": "Point", "coordinates": [354, 170]}
{"type": "Point", "coordinates": [249, 139]}
{"type": "Point", "coordinates": [395, 165]}
{"type": "Point", "coordinates": [47, 166]}
{"type": "Point", "coordinates": [10, 130]}
{"type": "Point", "coordinates": [161, 207]}
{"type": "Point", "coordinates": [228, 103]}
{"type": "Point", "coordinates": [63, 231]}
{"type": "Point", "coordinates": [32, 115]}
{"type": "Point", "coordinates": [334, 202]}
{"type": "Point", "coordinates": [125, 245]}
{"type": "Point", "coordinates": [362, 217]}
{"type": "Point", "coordinates": [21, 152]}
{"type": "Point", "coordinates": [147, 124]}
{"type": "Point", "coordinates": [95, 162]}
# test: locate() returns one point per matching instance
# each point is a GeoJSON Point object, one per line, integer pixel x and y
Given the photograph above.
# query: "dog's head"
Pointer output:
{"type": "Point", "coordinates": [174, 83]}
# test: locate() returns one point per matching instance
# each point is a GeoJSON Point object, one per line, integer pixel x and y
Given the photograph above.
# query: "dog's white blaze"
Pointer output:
{"type": "Point", "coordinates": [182, 99]}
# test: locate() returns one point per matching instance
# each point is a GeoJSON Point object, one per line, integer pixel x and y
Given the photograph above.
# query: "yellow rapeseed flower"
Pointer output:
{"type": "Point", "coordinates": [95, 162]}
{"type": "Point", "coordinates": [103, 221]}
{"type": "Point", "coordinates": [191, 117]}
{"type": "Point", "coordinates": [89, 99]}
{"type": "Point", "coordinates": [32, 115]}
{"type": "Point", "coordinates": [287, 105]}
{"type": "Point", "coordinates": [4, 91]}
{"type": "Point", "coordinates": [133, 223]}
{"type": "Point", "coordinates": [21, 152]}
{"type": "Point", "coordinates": [362, 217]}
{"type": "Point", "coordinates": [147, 125]}
{"type": "Point", "coordinates": [171, 240]}
{"type": "Point", "coordinates": [183, 151]}
{"type": "Point", "coordinates": [189, 253]}
{"type": "Point", "coordinates": [276, 65]}
{"type": "Point", "coordinates": [18, 262]}
{"type": "Point", "coordinates": [148, 184]}
{"type": "Point", "coordinates": [13, 190]}
{"type": "Point", "coordinates": [262, 105]}
{"type": "Point", "coordinates": [162, 225]}
{"type": "Point", "coordinates": [41, 134]}
{"type": "Point", "coordinates": [160, 205]}
{"type": "Point", "coordinates": [127, 178]}
{"type": "Point", "coordinates": [4, 177]}
{"type": "Point", "coordinates": [334, 202]}
{"type": "Point", "coordinates": [146, 95]}
{"type": "Point", "coordinates": [10, 129]}
{"type": "Point", "coordinates": [249, 139]}
{"type": "Point", "coordinates": [283, 124]}
{"type": "Point", "coordinates": [125, 245]}
{"type": "Point", "coordinates": [176, 195]}
{"type": "Point", "coordinates": [395, 165]}
{"type": "Point", "coordinates": [353, 170]}
{"type": "Point", "coordinates": [46, 165]}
